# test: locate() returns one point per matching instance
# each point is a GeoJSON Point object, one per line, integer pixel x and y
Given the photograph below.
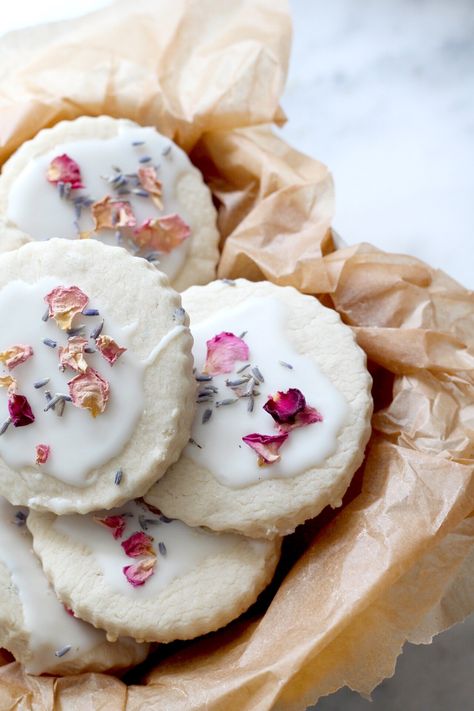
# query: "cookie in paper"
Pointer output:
{"type": "Point", "coordinates": [284, 409]}
{"type": "Point", "coordinates": [38, 629]}
{"type": "Point", "coordinates": [118, 181]}
{"type": "Point", "coordinates": [96, 385]}
{"type": "Point", "coordinates": [132, 571]}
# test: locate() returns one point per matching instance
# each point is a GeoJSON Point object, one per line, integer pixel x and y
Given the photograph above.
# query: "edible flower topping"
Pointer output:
{"type": "Point", "coordinates": [150, 183]}
{"type": "Point", "coordinates": [72, 356]}
{"type": "Point", "coordinates": [110, 214]}
{"type": "Point", "coordinates": [109, 349]}
{"type": "Point", "coordinates": [42, 453]}
{"type": "Point", "coordinates": [89, 391]}
{"type": "Point", "coordinates": [138, 544]}
{"type": "Point", "coordinates": [115, 523]}
{"type": "Point", "coordinates": [7, 381]}
{"type": "Point", "coordinates": [20, 410]}
{"type": "Point", "coordinates": [15, 355]}
{"type": "Point", "coordinates": [289, 410]}
{"type": "Point", "coordinates": [64, 303]}
{"type": "Point", "coordinates": [138, 573]}
{"type": "Point", "coordinates": [223, 351]}
{"type": "Point", "coordinates": [266, 446]}
{"type": "Point", "coordinates": [162, 234]}
{"type": "Point", "coordinates": [64, 169]}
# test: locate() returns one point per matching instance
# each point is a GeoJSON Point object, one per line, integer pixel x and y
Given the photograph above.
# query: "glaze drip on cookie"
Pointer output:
{"type": "Point", "coordinates": [121, 190]}
{"type": "Point", "coordinates": [264, 410]}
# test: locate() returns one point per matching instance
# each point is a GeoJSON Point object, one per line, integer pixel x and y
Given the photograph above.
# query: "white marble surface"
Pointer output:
{"type": "Point", "coordinates": [383, 92]}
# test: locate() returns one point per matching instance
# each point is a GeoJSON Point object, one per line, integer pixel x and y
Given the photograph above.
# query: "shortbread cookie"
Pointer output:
{"type": "Point", "coordinates": [134, 572]}
{"type": "Point", "coordinates": [283, 416]}
{"type": "Point", "coordinates": [117, 181]}
{"type": "Point", "coordinates": [96, 385]}
{"type": "Point", "coordinates": [35, 627]}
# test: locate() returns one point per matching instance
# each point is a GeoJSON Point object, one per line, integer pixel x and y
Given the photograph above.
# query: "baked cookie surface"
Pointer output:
{"type": "Point", "coordinates": [133, 571]}
{"type": "Point", "coordinates": [96, 385]}
{"type": "Point", "coordinates": [283, 416]}
{"type": "Point", "coordinates": [35, 627]}
{"type": "Point", "coordinates": [117, 181]}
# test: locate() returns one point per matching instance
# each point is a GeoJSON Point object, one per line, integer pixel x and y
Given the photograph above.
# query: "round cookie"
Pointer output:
{"type": "Point", "coordinates": [93, 415]}
{"type": "Point", "coordinates": [147, 175]}
{"type": "Point", "coordinates": [283, 415]}
{"type": "Point", "coordinates": [35, 627]}
{"type": "Point", "coordinates": [132, 571]}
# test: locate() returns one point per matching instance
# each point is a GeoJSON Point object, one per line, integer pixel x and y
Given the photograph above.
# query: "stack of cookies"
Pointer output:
{"type": "Point", "coordinates": [155, 447]}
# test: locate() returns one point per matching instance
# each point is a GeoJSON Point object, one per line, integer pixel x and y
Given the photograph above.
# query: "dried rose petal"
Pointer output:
{"type": "Point", "coordinates": [138, 573]}
{"type": "Point", "coordinates": [109, 349]}
{"type": "Point", "coordinates": [138, 544]}
{"type": "Point", "coordinates": [72, 356]}
{"type": "Point", "coordinates": [266, 446]}
{"type": "Point", "coordinates": [64, 169]}
{"type": "Point", "coordinates": [289, 410]}
{"type": "Point", "coordinates": [150, 183]}
{"type": "Point", "coordinates": [7, 381]}
{"type": "Point", "coordinates": [115, 523]}
{"type": "Point", "coordinates": [68, 610]}
{"type": "Point", "coordinates": [223, 351]}
{"type": "Point", "coordinates": [20, 410]}
{"type": "Point", "coordinates": [15, 355]}
{"type": "Point", "coordinates": [110, 214]}
{"type": "Point", "coordinates": [42, 453]}
{"type": "Point", "coordinates": [64, 303]}
{"type": "Point", "coordinates": [89, 391]}
{"type": "Point", "coordinates": [162, 234]}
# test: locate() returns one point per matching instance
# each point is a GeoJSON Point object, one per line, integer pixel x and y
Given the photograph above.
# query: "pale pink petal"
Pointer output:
{"type": "Point", "coordinates": [223, 351]}
{"type": "Point", "coordinates": [89, 391]}
{"type": "Point", "coordinates": [64, 169]}
{"type": "Point", "coordinates": [109, 349]}
{"type": "Point", "coordinates": [15, 355]}
{"type": "Point", "coordinates": [42, 453]}
{"type": "Point", "coordinates": [162, 234]}
{"type": "Point", "coordinates": [72, 355]}
{"type": "Point", "coordinates": [109, 213]}
{"type": "Point", "coordinates": [266, 446]}
{"type": "Point", "coordinates": [138, 573]}
{"type": "Point", "coordinates": [150, 183]}
{"type": "Point", "coordinates": [64, 303]}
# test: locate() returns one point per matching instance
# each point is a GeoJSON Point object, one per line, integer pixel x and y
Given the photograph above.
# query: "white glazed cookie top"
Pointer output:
{"type": "Point", "coordinates": [81, 405]}
{"type": "Point", "coordinates": [139, 551]}
{"type": "Point", "coordinates": [53, 632]}
{"type": "Point", "coordinates": [246, 367]}
{"type": "Point", "coordinates": [128, 182]}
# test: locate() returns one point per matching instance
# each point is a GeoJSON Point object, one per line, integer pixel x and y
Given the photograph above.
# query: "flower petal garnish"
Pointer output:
{"type": "Point", "coordinates": [110, 214]}
{"type": "Point", "coordinates": [89, 391]}
{"type": "Point", "coordinates": [266, 446]}
{"type": "Point", "coordinates": [72, 355]}
{"type": "Point", "coordinates": [42, 453]}
{"type": "Point", "coordinates": [64, 303]}
{"type": "Point", "coordinates": [223, 351]}
{"type": "Point", "coordinates": [115, 523]}
{"type": "Point", "coordinates": [138, 544]}
{"type": "Point", "coordinates": [138, 573]}
{"type": "Point", "coordinates": [162, 234]}
{"type": "Point", "coordinates": [109, 349]}
{"type": "Point", "coordinates": [15, 355]}
{"type": "Point", "coordinates": [289, 410]}
{"type": "Point", "coordinates": [7, 381]}
{"type": "Point", "coordinates": [64, 169]}
{"type": "Point", "coordinates": [20, 411]}
{"type": "Point", "coordinates": [150, 183]}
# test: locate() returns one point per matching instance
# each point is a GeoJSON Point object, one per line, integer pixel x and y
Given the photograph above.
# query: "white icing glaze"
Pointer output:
{"type": "Point", "coordinates": [35, 207]}
{"type": "Point", "coordinates": [186, 547]}
{"type": "Point", "coordinates": [79, 443]}
{"type": "Point", "coordinates": [162, 345]}
{"type": "Point", "coordinates": [50, 627]}
{"type": "Point", "coordinates": [231, 461]}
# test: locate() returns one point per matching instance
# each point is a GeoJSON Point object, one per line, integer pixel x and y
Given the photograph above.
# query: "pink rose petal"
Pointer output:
{"type": "Point", "coordinates": [115, 523]}
{"type": "Point", "coordinates": [223, 351]}
{"type": "Point", "coordinates": [110, 214]}
{"type": "Point", "coordinates": [64, 169]}
{"type": "Point", "coordinates": [138, 544]}
{"type": "Point", "coordinates": [289, 410]}
{"type": "Point", "coordinates": [109, 349]}
{"type": "Point", "coordinates": [72, 355]}
{"type": "Point", "coordinates": [150, 183]}
{"type": "Point", "coordinates": [15, 355]}
{"type": "Point", "coordinates": [89, 391]}
{"type": "Point", "coordinates": [42, 453]}
{"type": "Point", "coordinates": [20, 410]}
{"type": "Point", "coordinates": [138, 573]}
{"type": "Point", "coordinates": [266, 446]}
{"type": "Point", "coordinates": [64, 303]}
{"type": "Point", "coordinates": [162, 234]}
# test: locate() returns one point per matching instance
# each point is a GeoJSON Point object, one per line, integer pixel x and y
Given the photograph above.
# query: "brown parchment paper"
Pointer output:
{"type": "Point", "coordinates": [396, 562]}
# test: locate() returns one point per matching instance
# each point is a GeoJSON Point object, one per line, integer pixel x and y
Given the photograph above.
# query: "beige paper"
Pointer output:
{"type": "Point", "coordinates": [396, 561]}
